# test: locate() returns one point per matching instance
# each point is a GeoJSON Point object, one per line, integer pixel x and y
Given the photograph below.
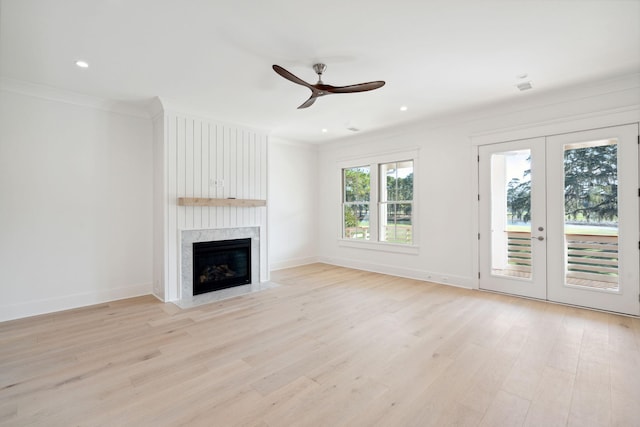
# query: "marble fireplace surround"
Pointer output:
{"type": "Point", "coordinates": [189, 237]}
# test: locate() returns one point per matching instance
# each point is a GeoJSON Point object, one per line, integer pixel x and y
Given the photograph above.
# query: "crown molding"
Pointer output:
{"type": "Point", "coordinates": [621, 97]}
{"type": "Point", "coordinates": [68, 97]}
{"type": "Point", "coordinates": [156, 107]}
{"type": "Point", "coordinates": [559, 125]}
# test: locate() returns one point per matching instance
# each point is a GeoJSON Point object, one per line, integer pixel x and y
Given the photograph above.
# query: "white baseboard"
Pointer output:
{"type": "Point", "coordinates": [441, 278]}
{"type": "Point", "coordinates": [293, 263]}
{"type": "Point", "coordinates": [51, 305]}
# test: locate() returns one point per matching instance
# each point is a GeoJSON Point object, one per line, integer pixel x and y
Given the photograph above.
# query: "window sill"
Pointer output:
{"type": "Point", "coordinates": [379, 246]}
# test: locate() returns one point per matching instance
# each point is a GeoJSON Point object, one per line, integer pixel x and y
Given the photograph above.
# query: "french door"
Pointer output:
{"type": "Point", "coordinates": [513, 247]}
{"type": "Point", "coordinates": [559, 218]}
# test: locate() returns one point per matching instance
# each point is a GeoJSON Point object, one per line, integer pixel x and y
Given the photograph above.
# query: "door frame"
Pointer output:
{"type": "Point", "coordinates": [573, 123]}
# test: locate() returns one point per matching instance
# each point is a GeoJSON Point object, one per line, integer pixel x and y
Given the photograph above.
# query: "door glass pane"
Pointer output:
{"type": "Point", "coordinates": [511, 214]}
{"type": "Point", "coordinates": [591, 214]}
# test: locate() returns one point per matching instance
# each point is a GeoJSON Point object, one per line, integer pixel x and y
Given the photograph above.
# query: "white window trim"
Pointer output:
{"type": "Point", "coordinates": [374, 162]}
{"type": "Point", "coordinates": [379, 246]}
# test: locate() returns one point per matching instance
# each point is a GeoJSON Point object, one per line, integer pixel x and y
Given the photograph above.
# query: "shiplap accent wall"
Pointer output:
{"type": "Point", "coordinates": [200, 157]}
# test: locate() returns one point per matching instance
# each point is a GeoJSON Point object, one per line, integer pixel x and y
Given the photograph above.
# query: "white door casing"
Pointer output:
{"type": "Point", "coordinates": [549, 237]}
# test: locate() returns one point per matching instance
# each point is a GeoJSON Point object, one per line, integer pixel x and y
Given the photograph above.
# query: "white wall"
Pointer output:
{"type": "Point", "coordinates": [446, 182]}
{"type": "Point", "coordinates": [75, 205]}
{"type": "Point", "coordinates": [442, 192]}
{"type": "Point", "coordinates": [76, 179]}
{"type": "Point", "coordinates": [293, 213]}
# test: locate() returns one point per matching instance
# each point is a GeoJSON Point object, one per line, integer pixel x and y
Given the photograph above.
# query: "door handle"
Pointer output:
{"type": "Point", "coordinates": [539, 238]}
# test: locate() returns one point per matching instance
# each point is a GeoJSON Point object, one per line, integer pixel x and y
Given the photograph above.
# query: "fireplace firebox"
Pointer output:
{"type": "Point", "coordinates": [221, 264]}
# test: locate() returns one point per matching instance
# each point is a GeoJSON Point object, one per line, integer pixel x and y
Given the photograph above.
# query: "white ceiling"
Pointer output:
{"type": "Point", "coordinates": [215, 56]}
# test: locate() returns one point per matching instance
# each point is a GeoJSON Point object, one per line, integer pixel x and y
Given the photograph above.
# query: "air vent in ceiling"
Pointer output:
{"type": "Point", "coordinates": [524, 86]}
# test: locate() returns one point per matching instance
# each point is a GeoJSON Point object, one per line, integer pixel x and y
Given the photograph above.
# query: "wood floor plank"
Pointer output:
{"type": "Point", "coordinates": [550, 403]}
{"type": "Point", "coordinates": [329, 346]}
{"type": "Point", "coordinates": [591, 401]}
{"type": "Point", "coordinates": [506, 410]}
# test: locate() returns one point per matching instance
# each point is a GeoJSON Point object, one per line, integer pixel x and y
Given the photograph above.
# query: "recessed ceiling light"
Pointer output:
{"type": "Point", "coordinates": [82, 64]}
{"type": "Point", "coordinates": [403, 108]}
{"type": "Point", "coordinates": [522, 76]}
{"type": "Point", "coordinates": [324, 130]}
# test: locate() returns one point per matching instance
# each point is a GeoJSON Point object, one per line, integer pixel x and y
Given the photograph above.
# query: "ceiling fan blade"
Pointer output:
{"type": "Point", "coordinates": [309, 102]}
{"type": "Point", "coordinates": [287, 75]}
{"type": "Point", "coordinates": [320, 89]}
{"type": "Point", "coordinates": [360, 87]}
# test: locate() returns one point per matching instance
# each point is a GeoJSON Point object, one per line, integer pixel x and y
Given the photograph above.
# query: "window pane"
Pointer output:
{"type": "Point", "coordinates": [396, 224]}
{"type": "Point", "coordinates": [398, 181]}
{"type": "Point", "coordinates": [388, 189]}
{"type": "Point", "coordinates": [356, 221]}
{"type": "Point", "coordinates": [357, 184]}
{"type": "Point", "coordinates": [405, 180]}
{"type": "Point", "coordinates": [591, 214]}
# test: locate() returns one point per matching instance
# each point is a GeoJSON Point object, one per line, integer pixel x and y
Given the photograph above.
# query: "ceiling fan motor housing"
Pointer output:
{"type": "Point", "coordinates": [319, 68]}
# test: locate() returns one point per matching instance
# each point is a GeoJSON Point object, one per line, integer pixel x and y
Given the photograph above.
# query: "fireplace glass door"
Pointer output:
{"type": "Point", "coordinates": [221, 264]}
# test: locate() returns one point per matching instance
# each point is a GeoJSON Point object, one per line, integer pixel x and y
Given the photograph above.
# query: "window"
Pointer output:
{"type": "Point", "coordinates": [356, 197]}
{"type": "Point", "coordinates": [377, 202]}
{"type": "Point", "coordinates": [396, 201]}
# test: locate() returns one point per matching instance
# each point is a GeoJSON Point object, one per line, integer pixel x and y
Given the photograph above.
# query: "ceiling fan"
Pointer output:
{"type": "Point", "coordinates": [320, 89]}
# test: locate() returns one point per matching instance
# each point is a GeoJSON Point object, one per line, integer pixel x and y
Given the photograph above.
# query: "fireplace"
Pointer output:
{"type": "Point", "coordinates": [189, 238]}
{"type": "Point", "coordinates": [221, 264]}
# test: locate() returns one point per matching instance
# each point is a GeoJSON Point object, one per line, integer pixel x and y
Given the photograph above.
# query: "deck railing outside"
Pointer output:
{"type": "Point", "coordinates": [592, 260]}
{"type": "Point", "coordinates": [403, 234]}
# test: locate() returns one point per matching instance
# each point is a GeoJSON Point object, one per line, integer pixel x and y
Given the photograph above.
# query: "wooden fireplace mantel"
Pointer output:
{"type": "Point", "coordinates": [195, 201]}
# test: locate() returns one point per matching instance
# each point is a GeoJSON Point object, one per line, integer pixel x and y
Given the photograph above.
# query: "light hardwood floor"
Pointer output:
{"type": "Point", "coordinates": [330, 347]}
